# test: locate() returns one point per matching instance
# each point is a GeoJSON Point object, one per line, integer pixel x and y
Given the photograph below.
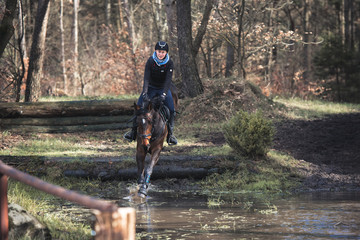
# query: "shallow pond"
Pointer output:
{"type": "Point", "coordinates": [171, 215]}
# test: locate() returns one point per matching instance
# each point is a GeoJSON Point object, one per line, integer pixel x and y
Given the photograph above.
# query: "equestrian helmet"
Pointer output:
{"type": "Point", "coordinates": [162, 46]}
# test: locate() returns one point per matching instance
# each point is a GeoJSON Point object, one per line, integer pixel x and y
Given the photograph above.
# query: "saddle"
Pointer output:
{"type": "Point", "coordinates": [164, 113]}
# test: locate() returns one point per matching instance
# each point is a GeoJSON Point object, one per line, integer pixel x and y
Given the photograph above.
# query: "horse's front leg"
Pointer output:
{"type": "Point", "coordinates": [154, 159]}
{"type": "Point", "coordinates": [140, 162]}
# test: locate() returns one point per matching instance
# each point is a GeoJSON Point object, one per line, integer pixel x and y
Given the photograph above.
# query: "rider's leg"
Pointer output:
{"type": "Point", "coordinates": [131, 135]}
{"type": "Point", "coordinates": [171, 139]}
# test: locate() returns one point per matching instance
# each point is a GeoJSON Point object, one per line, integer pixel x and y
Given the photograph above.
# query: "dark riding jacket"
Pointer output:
{"type": "Point", "coordinates": [158, 76]}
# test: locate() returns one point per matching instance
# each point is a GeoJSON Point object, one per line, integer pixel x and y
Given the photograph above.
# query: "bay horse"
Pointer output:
{"type": "Point", "coordinates": [152, 130]}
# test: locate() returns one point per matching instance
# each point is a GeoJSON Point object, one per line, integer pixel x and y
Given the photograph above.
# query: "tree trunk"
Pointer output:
{"type": "Point", "coordinates": [156, 13]}
{"type": "Point", "coordinates": [170, 8]}
{"type": "Point", "coordinates": [306, 37]}
{"type": "Point", "coordinates": [6, 26]}
{"type": "Point", "coordinates": [240, 42]}
{"type": "Point", "coordinates": [192, 85]}
{"type": "Point", "coordinates": [23, 52]}
{"type": "Point", "coordinates": [131, 32]}
{"type": "Point", "coordinates": [230, 60]}
{"type": "Point", "coordinates": [76, 73]}
{"type": "Point", "coordinates": [202, 29]}
{"type": "Point", "coordinates": [65, 82]}
{"type": "Point", "coordinates": [37, 52]}
{"type": "Point", "coordinates": [120, 18]}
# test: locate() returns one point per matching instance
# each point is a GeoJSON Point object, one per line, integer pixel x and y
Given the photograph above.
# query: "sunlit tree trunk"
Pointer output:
{"type": "Point", "coordinates": [131, 39]}
{"type": "Point", "coordinates": [240, 43]}
{"type": "Point", "coordinates": [76, 73]}
{"type": "Point", "coordinates": [170, 8]}
{"type": "Point", "coordinates": [159, 20]}
{"type": "Point", "coordinates": [32, 91]}
{"type": "Point", "coordinates": [23, 51]}
{"type": "Point", "coordinates": [65, 82]}
{"type": "Point", "coordinates": [120, 18]}
{"type": "Point", "coordinates": [306, 38]}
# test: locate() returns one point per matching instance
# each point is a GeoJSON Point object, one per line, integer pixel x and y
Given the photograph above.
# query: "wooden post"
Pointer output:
{"type": "Point", "coordinates": [118, 224]}
{"type": "Point", "coordinates": [4, 218]}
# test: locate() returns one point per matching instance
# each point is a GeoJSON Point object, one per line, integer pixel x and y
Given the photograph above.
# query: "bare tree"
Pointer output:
{"type": "Point", "coordinates": [32, 91]}
{"type": "Point", "coordinates": [192, 85]}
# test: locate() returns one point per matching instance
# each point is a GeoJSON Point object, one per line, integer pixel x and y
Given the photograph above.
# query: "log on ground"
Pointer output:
{"type": "Point", "coordinates": [64, 121]}
{"type": "Point", "coordinates": [67, 109]}
{"type": "Point", "coordinates": [63, 129]}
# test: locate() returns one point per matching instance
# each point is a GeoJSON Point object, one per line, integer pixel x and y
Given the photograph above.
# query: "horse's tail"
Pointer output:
{"type": "Point", "coordinates": [175, 95]}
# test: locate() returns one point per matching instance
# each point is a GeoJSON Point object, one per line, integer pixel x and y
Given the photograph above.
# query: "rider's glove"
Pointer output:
{"type": "Point", "coordinates": [163, 96]}
{"type": "Point", "coordinates": [145, 97]}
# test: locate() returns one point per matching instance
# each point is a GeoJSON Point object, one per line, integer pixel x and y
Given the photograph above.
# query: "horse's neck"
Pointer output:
{"type": "Point", "coordinates": [159, 123]}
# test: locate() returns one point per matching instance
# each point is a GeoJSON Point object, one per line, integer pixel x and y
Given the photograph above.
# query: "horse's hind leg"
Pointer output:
{"type": "Point", "coordinates": [144, 187]}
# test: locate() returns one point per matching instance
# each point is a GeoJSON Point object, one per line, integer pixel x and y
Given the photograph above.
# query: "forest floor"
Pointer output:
{"type": "Point", "coordinates": [322, 138]}
{"type": "Point", "coordinates": [327, 149]}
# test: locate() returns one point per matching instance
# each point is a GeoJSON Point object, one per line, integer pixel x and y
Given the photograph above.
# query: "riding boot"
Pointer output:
{"type": "Point", "coordinates": [171, 139]}
{"type": "Point", "coordinates": [131, 135]}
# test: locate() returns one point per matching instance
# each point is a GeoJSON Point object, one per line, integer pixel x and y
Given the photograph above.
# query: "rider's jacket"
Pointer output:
{"type": "Point", "coordinates": [158, 76]}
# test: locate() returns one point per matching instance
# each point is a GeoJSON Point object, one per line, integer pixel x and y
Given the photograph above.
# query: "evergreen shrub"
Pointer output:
{"type": "Point", "coordinates": [250, 135]}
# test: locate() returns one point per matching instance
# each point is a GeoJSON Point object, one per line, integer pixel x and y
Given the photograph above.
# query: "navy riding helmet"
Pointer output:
{"type": "Point", "coordinates": [162, 46]}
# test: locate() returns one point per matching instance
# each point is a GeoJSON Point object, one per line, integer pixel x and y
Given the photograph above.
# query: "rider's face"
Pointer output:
{"type": "Point", "coordinates": [160, 54]}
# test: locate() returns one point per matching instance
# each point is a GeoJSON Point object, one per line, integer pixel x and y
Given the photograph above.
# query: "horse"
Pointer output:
{"type": "Point", "coordinates": [152, 130]}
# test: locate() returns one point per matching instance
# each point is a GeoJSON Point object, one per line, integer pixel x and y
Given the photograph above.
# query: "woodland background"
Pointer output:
{"type": "Point", "coordinates": [302, 48]}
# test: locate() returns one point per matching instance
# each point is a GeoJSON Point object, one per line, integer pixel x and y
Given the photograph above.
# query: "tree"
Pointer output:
{"type": "Point", "coordinates": [192, 85]}
{"type": "Point", "coordinates": [65, 82]}
{"type": "Point", "coordinates": [37, 52]}
{"type": "Point", "coordinates": [6, 25]}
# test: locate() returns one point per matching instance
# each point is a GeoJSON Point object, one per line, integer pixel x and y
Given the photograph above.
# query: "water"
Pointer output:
{"type": "Point", "coordinates": [174, 215]}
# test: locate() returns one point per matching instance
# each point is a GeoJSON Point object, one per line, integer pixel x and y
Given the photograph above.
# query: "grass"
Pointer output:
{"type": "Point", "coordinates": [296, 108]}
{"type": "Point", "coordinates": [46, 209]}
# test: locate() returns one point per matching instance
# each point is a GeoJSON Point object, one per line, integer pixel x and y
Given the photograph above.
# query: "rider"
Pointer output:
{"type": "Point", "coordinates": [157, 80]}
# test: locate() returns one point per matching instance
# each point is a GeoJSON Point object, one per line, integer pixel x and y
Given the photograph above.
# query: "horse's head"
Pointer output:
{"type": "Point", "coordinates": [145, 123]}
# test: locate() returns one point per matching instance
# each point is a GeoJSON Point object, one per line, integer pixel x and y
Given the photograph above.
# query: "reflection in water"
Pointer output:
{"type": "Point", "coordinates": [168, 215]}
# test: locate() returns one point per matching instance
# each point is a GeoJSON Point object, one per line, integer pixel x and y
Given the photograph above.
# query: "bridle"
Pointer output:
{"type": "Point", "coordinates": [151, 121]}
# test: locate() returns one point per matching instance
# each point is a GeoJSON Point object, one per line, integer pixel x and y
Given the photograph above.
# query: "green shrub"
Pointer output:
{"type": "Point", "coordinates": [250, 135]}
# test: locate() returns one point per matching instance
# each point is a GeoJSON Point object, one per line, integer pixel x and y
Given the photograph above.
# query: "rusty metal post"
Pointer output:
{"type": "Point", "coordinates": [4, 218]}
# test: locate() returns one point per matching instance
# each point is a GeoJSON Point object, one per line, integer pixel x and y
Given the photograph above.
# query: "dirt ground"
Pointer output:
{"type": "Point", "coordinates": [330, 147]}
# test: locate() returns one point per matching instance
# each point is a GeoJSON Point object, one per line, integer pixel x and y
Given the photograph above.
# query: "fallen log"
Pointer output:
{"type": "Point", "coordinates": [64, 121]}
{"type": "Point", "coordinates": [159, 172]}
{"type": "Point", "coordinates": [67, 109]}
{"type": "Point", "coordinates": [120, 168]}
{"type": "Point", "coordinates": [64, 129]}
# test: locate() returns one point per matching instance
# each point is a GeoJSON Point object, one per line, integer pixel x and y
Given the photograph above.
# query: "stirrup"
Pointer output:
{"type": "Point", "coordinates": [172, 140]}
